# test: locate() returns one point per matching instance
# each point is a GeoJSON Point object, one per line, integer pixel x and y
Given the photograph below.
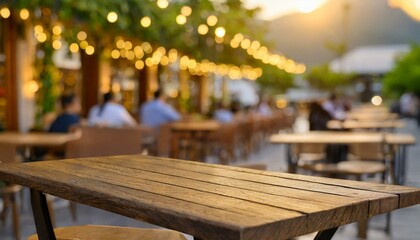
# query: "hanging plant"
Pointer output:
{"type": "Point", "coordinates": [47, 73]}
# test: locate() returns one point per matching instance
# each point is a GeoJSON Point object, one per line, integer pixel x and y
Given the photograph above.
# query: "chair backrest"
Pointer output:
{"type": "Point", "coordinates": [7, 153]}
{"type": "Point", "coordinates": [309, 148]}
{"type": "Point", "coordinates": [367, 151]}
{"type": "Point", "coordinates": [99, 141]}
{"type": "Point", "coordinates": [163, 140]}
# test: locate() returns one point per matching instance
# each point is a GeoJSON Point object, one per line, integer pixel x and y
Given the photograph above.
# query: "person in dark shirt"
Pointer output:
{"type": "Point", "coordinates": [70, 116]}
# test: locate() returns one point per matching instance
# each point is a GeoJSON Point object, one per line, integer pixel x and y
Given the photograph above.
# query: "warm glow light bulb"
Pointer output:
{"type": "Point", "coordinates": [186, 11]}
{"type": "Point", "coordinates": [81, 35]}
{"type": "Point", "coordinates": [115, 54]}
{"type": "Point", "coordinates": [57, 30]}
{"type": "Point", "coordinates": [162, 3]}
{"type": "Point", "coordinates": [145, 21]}
{"type": "Point", "coordinates": [74, 48]}
{"type": "Point", "coordinates": [24, 14]}
{"type": "Point", "coordinates": [212, 20]}
{"type": "Point", "coordinates": [112, 17]}
{"type": "Point", "coordinates": [181, 19]}
{"type": "Point", "coordinates": [5, 12]}
{"type": "Point", "coordinates": [203, 29]}
{"type": "Point", "coordinates": [56, 44]}
{"type": "Point", "coordinates": [220, 32]}
{"type": "Point", "coordinates": [139, 64]}
{"type": "Point", "coordinates": [90, 50]}
{"type": "Point", "coordinates": [377, 100]}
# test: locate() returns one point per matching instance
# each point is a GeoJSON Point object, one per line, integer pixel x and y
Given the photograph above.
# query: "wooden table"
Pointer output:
{"type": "Point", "coordinates": [212, 202]}
{"type": "Point", "coordinates": [398, 146]}
{"type": "Point", "coordinates": [377, 125]}
{"type": "Point", "coordinates": [334, 137]}
{"type": "Point", "coordinates": [197, 133]}
{"type": "Point", "coordinates": [37, 139]}
{"type": "Point", "coordinates": [372, 116]}
{"type": "Point", "coordinates": [30, 140]}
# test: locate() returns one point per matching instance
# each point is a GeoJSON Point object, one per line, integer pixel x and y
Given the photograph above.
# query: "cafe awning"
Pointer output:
{"type": "Point", "coordinates": [369, 60]}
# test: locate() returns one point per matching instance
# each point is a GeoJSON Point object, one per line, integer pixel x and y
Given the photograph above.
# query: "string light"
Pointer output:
{"type": "Point", "coordinates": [112, 17]}
{"type": "Point", "coordinates": [220, 32]}
{"type": "Point", "coordinates": [203, 29]}
{"type": "Point", "coordinates": [90, 50]}
{"type": "Point", "coordinates": [212, 20]}
{"type": "Point", "coordinates": [74, 48]}
{"type": "Point", "coordinates": [57, 30]}
{"type": "Point", "coordinates": [24, 14]}
{"type": "Point", "coordinates": [181, 19]}
{"type": "Point", "coordinates": [5, 12]}
{"type": "Point", "coordinates": [81, 35]}
{"type": "Point", "coordinates": [146, 22]}
{"type": "Point", "coordinates": [162, 3]}
{"type": "Point", "coordinates": [186, 11]}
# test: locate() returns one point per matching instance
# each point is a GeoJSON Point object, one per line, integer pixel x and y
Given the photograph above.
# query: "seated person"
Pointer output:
{"type": "Point", "coordinates": [110, 114]}
{"type": "Point", "coordinates": [69, 116]}
{"type": "Point", "coordinates": [222, 114]}
{"type": "Point", "coordinates": [157, 112]}
{"type": "Point", "coordinates": [71, 108]}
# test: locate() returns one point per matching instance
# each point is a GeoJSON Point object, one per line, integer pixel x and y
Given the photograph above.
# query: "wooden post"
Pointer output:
{"type": "Point", "coordinates": [203, 94]}
{"type": "Point", "coordinates": [90, 81]}
{"type": "Point", "coordinates": [10, 48]}
{"type": "Point", "coordinates": [143, 86]}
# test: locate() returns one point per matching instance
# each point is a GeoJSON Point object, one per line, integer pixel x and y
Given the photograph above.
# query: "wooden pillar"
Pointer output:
{"type": "Point", "coordinates": [143, 86]}
{"type": "Point", "coordinates": [203, 94]}
{"type": "Point", "coordinates": [10, 48]}
{"type": "Point", "coordinates": [90, 81]}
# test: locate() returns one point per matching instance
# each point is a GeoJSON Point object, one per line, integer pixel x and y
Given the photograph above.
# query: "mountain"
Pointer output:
{"type": "Point", "coordinates": [304, 37]}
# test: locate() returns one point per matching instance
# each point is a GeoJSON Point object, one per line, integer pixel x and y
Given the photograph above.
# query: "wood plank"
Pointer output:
{"type": "Point", "coordinates": [37, 139]}
{"type": "Point", "coordinates": [196, 219]}
{"type": "Point", "coordinates": [209, 201]}
{"type": "Point", "coordinates": [407, 196]}
{"type": "Point", "coordinates": [327, 137]}
{"type": "Point", "coordinates": [315, 210]}
{"type": "Point", "coordinates": [379, 202]}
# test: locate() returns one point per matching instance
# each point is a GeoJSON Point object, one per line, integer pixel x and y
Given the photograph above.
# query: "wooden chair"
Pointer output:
{"type": "Point", "coordinates": [99, 141]}
{"type": "Point", "coordinates": [92, 232]}
{"type": "Point", "coordinates": [223, 142]}
{"type": "Point", "coordinates": [309, 153]}
{"type": "Point", "coordinates": [9, 192]}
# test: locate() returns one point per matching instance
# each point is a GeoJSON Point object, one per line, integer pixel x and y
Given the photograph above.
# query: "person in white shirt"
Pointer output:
{"type": "Point", "coordinates": [110, 114]}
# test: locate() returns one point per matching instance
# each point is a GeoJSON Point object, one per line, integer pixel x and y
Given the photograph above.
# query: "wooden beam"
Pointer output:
{"type": "Point", "coordinates": [90, 81]}
{"type": "Point", "coordinates": [10, 48]}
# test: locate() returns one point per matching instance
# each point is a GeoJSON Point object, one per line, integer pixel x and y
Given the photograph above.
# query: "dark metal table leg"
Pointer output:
{"type": "Point", "coordinates": [403, 164]}
{"type": "Point", "coordinates": [42, 216]}
{"type": "Point", "coordinates": [326, 234]}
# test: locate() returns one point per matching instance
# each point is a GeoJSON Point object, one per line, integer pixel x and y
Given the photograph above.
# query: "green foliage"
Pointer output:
{"type": "Point", "coordinates": [321, 77]}
{"type": "Point", "coordinates": [274, 80]}
{"type": "Point", "coordinates": [405, 77]}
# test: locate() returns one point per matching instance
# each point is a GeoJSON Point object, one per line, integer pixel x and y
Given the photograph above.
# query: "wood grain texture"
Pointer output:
{"type": "Point", "coordinates": [211, 201]}
{"type": "Point", "coordinates": [37, 139]}
{"type": "Point", "coordinates": [95, 232]}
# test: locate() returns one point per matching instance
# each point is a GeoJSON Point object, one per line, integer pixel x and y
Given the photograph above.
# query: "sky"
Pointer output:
{"type": "Point", "coordinates": [275, 8]}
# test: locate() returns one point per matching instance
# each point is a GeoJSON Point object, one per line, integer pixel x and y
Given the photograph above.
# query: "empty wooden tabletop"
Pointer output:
{"type": "Point", "coordinates": [350, 124]}
{"type": "Point", "coordinates": [328, 137]}
{"type": "Point", "coordinates": [211, 201]}
{"type": "Point", "coordinates": [37, 139]}
{"type": "Point", "coordinates": [196, 126]}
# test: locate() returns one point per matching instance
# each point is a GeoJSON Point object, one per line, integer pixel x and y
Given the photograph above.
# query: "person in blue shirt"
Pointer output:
{"type": "Point", "coordinates": [71, 108]}
{"type": "Point", "coordinates": [223, 114]}
{"type": "Point", "coordinates": [157, 112]}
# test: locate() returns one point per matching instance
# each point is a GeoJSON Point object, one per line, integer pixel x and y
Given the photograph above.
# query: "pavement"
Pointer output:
{"type": "Point", "coordinates": [405, 222]}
